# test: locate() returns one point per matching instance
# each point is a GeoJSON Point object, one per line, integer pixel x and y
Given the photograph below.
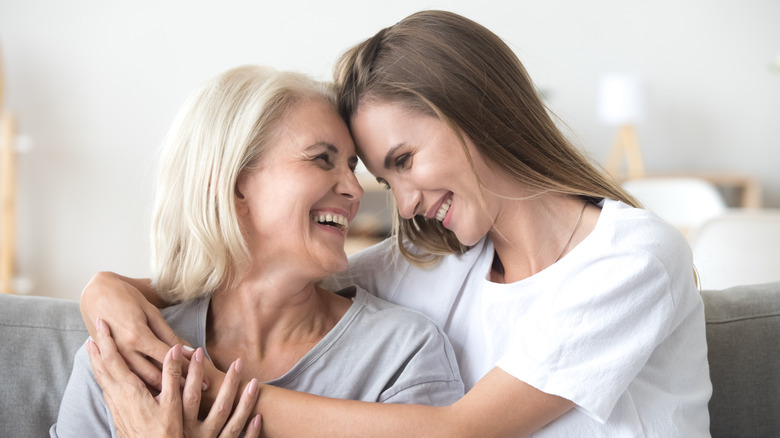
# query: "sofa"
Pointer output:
{"type": "Point", "coordinates": [39, 336]}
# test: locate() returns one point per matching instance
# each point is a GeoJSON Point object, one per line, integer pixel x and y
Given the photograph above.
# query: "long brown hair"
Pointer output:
{"type": "Point", "coordinates": [447, 66]}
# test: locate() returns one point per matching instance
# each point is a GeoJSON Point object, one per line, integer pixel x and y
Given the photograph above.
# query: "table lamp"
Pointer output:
{"type": "Point", "coordinates": [621, 103]}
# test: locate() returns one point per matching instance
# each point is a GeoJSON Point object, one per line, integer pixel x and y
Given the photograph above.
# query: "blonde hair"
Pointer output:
{"type": "Point", "coordinates": [447, 66]}
{"type": "Point", "coordinates": [223, 129]}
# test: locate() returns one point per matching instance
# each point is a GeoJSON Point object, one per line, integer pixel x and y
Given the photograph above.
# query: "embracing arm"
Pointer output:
{"type": "Point", "coordinates": [130, 307]}
{"type": "Point", "coordinates": [499, 405]}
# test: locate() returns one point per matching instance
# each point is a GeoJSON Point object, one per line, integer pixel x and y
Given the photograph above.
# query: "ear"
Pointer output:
{"type": "Point", "coordinates": [241, 205]}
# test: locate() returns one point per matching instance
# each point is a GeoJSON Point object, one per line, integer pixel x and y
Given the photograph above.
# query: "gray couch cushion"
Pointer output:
{"type": "Point", "coordinates": [39, 338]}
{"type": "Point", "coordinates": [743, 338]}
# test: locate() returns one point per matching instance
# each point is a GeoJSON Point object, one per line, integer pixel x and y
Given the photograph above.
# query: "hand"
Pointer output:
{"type": "Point", "coordinates": [136, 412]}
{"type": "Point", "coordinates": [217, 414]}
{"type": "Point", "coordinates": [141, 334]}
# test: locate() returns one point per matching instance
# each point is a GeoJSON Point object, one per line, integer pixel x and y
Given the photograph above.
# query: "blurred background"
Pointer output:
{"type": "Point", "coordinates": [89, 88]}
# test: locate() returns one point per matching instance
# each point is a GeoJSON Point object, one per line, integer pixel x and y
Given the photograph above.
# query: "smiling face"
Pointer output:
{"type": "Point", "coordinates": [295, 208]}
{"type": "Point", "coordinates": [424, 164]}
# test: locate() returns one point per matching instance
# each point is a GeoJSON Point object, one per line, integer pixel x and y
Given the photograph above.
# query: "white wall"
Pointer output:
{"type": "Point", "coordinates": [94, 85]}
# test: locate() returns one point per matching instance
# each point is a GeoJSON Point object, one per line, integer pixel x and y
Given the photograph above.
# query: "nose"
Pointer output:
{"type": "Point", "coordinates": [349, 187]}
{"type": "Point", "coordinates": [407, 200]}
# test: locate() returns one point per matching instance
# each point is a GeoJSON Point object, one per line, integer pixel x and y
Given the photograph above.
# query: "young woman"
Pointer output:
{"type": "Point", "coordinates": [572, 311]}
{"type": "Point", "coordinates": [255, 194]}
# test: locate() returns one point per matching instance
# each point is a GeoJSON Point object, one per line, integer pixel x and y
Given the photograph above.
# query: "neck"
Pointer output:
{"type": "Point", "coordinates": [530, 235]}
{"type": "Point", "coordinates": [270, 322]}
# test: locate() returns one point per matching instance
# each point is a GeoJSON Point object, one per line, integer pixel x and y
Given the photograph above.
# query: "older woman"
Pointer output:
{"type": "Point", "coordinates": [255, 194]}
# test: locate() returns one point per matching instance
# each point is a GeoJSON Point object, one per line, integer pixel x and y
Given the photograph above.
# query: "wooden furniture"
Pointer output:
{"type": "Point", "coordinates": [738, 189]}
{"type": "Point", "coordinates": [741, 246]}
{"type": "Point", "coordinates": [7, 197]}
{"type": "Point", "coordinates": [626, 148]}
{"type": "Point", "coordinates": [7, 204]}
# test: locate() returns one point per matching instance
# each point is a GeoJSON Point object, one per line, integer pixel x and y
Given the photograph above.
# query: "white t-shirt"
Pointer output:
{"type": "Point", "coordinates": [616, 326]}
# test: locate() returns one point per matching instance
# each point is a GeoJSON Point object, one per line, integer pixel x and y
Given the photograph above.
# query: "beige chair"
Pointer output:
{"type": "Point", "coordinates": [741, 246]}
{"type": "Point", "coordinates": [684, 202]}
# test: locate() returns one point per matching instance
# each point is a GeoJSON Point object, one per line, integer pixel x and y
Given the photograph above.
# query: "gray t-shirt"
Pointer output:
{"type": "Point", "coordinates": [377, 352]}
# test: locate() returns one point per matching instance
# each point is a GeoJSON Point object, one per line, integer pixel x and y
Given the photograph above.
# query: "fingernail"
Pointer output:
{"type": "Point", "coordinates": [89, 345]}
{"type": "Point", "coordinates": [256, 421]}
{"type": "Point", "coordinates": [176, 353]}
{"type": "Point", "coordinates": [237, 365]}
{"type": "Point", "coordinates": [99, 324]}
{"type": "Point", "coordinates": [198, 355]}
{"type": "Point", "coordinates": [203, 386]}
{"type": "Point", "coordinates": [252, 387]}
{"type": "Point", "coordinates": [188, 348]}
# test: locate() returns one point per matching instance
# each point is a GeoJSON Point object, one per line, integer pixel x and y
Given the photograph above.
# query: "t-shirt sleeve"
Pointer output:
{"type": "Point", "coordinates": [589, 339]}
{"type": "Point", "coordinates": [82, 411]}
{"type": "Point", "coordinates": [414, 358]}
{"type": "Point", "coordinates": [429, 375]}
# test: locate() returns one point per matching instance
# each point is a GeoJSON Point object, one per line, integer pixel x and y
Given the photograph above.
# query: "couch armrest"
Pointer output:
{"type": "Point", "coordinates": [743, 340]}
{"type": "Point", "coordinates": [39, 336]}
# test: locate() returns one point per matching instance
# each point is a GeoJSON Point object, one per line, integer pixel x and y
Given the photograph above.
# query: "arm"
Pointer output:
{"type": "Point", "coordinates": [129, 306]}
{"type": "Point", "coordinates": [499, 405]}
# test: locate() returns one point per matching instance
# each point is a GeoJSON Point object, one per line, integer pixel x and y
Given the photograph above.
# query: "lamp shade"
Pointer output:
{"type": "Point", "coordinates": [620, 99]}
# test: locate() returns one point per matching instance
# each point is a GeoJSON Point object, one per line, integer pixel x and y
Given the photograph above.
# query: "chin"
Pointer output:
{"type": "Point", "coordinates": [469, 239]}
{"type": "Point", "coordinates": [337, 263]}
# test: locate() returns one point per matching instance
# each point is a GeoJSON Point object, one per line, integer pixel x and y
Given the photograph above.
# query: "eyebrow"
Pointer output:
{"type": "Point", "coordinates": [328, 146]}
{"type": "Point", "coordinates": [389, 155]}
{"type": "Point", "coordinates": [332, 149]}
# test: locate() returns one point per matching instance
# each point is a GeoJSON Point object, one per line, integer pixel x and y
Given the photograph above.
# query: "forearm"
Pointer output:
{"type": "Point", "coordinates": [105, 286]}
{"type": "Point", "coordinates": [289, 413]}
{"type": "Point", "coordinates": [499, 405]}
{"type": "Point", "coordinates": [144, 285]}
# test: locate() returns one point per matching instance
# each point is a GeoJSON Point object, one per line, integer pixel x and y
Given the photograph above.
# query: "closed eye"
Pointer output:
{"type": "Point", "coordinates": [402, 160]}
{"type": "Point", "coordinates": [324, 158]}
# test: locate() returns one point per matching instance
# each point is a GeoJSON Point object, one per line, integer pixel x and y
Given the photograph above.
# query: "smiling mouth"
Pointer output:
{"type": "Point", "coordinates": [445, 207]}
{"type": "Point", "coordinates": [336, 221]}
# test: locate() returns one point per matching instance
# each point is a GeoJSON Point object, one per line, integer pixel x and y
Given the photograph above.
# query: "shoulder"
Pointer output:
{"type": "Point", "coordinates": [387, 314]}
{"type": "Point", "coordinates": [413, 349]}
{"type": "Point", "coordinates": [632, 253]}
{"type": "Point", "coordinates": [383, 271]}
{"type": "Point", "coordinates": [623, 229]}
{"type": "Point", "coordinates": [406, 331]}
{"type": "Point", "coordinates": [188, 319]}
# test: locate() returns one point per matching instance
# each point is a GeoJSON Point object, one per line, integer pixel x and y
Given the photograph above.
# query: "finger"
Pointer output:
{"type": "Point", "coordinates": [192, 388]}
{"type": "Point", "coordinates": [102, 375]}
{"type": "Point", "coordinates": [170, 397]}
{"type": "Point", "coordinates": [146, 370]}
{"type": "Point", "coordinates": [153, 342]}
{"type": "Point", "coordinates": [185, 366]}
{"type": "Point", "coordinates": [246, 405]}
{"type": "Point", "coordinates": [254, 427]}
{"type": "Point", "coordinates": [114, 363]}
{"type": "Point", "coordinates": [146, 343]}
{"type": "Point", "coordinates": [146, 353]}
{"type": "Point", "coordinates": [187, 351]}
{"type": "Point", "coordinates": [224, 402]}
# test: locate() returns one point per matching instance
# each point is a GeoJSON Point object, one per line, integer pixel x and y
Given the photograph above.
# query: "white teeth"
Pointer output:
{"type": "Point", "coordinates": [340, 221]}
{"type": "Point", "coordinates": [445, 207]}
